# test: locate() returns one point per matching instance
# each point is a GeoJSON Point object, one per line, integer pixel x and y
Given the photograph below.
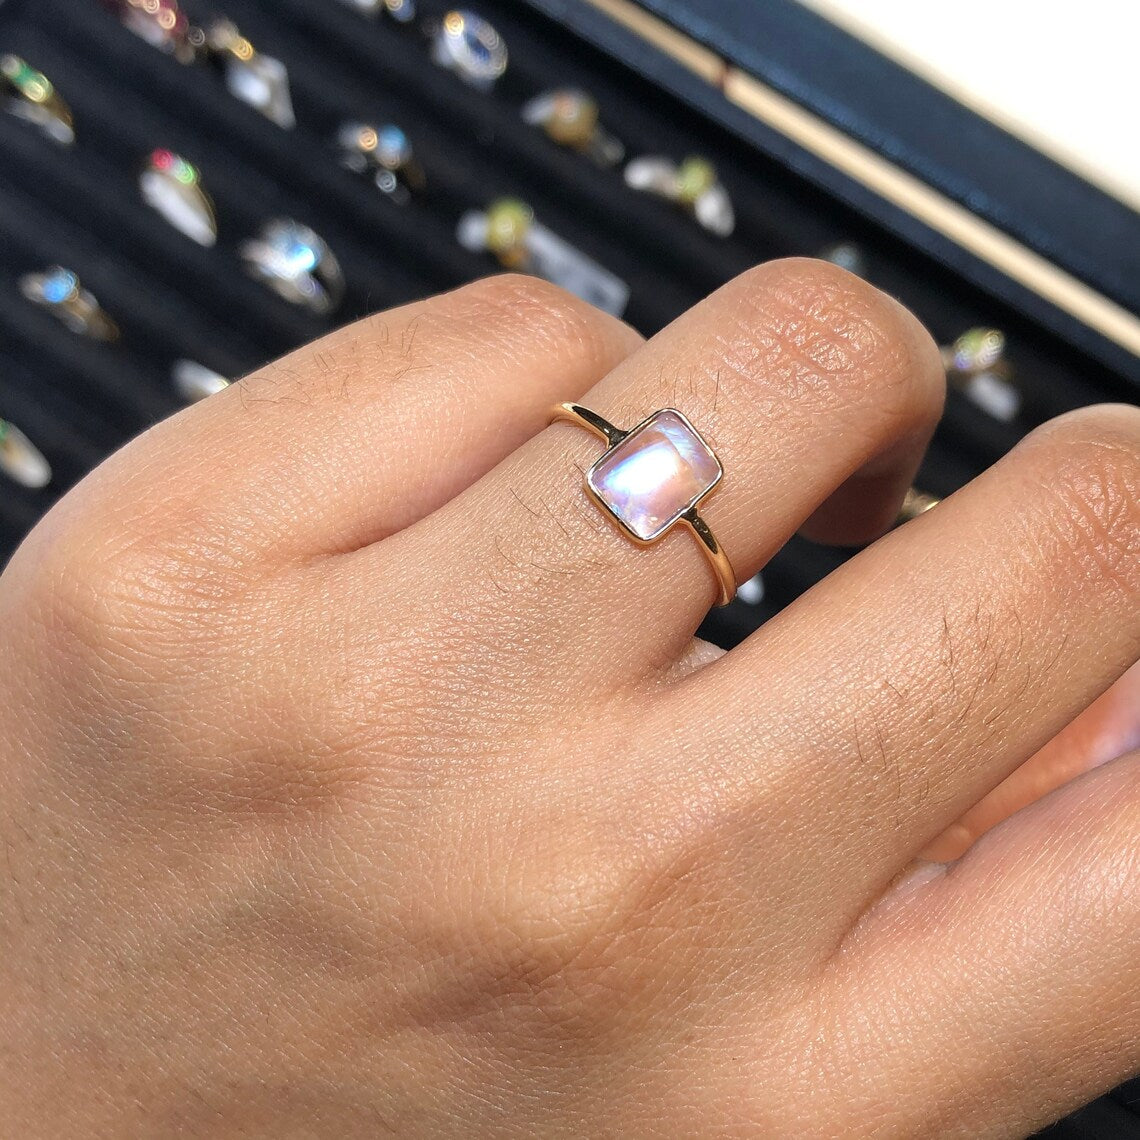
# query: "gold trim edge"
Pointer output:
{"type": "Point", "coordinates": [992, 245]}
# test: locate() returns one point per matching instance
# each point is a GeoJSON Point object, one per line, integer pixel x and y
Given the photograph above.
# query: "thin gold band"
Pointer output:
{"type": "Point", "coordinates": [612, 435]}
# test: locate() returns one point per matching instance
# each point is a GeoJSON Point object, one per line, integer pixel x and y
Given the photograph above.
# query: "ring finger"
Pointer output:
{"type": "Point", "coordinates": [818, 395]}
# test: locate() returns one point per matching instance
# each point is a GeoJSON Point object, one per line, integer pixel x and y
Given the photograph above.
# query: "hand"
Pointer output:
{"type": "Point", "coordinates": [1108, 728]}
{"type": "Point", "coordinates": [360, 779]}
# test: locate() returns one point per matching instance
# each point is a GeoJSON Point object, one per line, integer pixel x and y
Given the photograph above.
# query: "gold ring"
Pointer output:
{"type": "Point", "coordinates": [569, 117]}
{"type": "Point", "coordinates": [29, 94]}
{"type": "Point", "coordinates": [652, 477]}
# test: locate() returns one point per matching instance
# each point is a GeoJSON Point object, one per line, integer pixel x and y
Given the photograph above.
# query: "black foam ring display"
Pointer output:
{"type": "Point", "coordinates": [79, 206]}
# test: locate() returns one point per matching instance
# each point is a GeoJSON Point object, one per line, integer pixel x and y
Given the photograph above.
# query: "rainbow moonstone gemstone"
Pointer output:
{"type": "Point", "coordinates": [649, 479]}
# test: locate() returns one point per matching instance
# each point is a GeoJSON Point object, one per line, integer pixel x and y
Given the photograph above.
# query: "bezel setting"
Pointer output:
{"type": "Point", "coordinates": [699, 473]}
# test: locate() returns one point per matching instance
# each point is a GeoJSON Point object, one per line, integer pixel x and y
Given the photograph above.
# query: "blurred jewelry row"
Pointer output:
{"type": "Point", "coordinates": [297, 264]}
{"type": "Point", "coordinates": [462, 42]}
{"type": "Point", "coordinates": [24, 463]}
{"type": "Point", "coordinates": [59, 291]}
{"type": "Point", "coordinates": [293, 261]}
{"type": "Point", "coordinates": [286, 256]}
{"type": "Point", "coordinates": [258, 80]}
{"type": "Point", "coordinates": [172, 186]}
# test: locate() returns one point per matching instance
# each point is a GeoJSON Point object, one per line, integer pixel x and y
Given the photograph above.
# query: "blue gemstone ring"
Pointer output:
{"type": "Point", "coordinates": [58, 290]}
{"type": "Point", "coordinates": [466, 44]}
{"type": "Point", "coordinates": [296, 264]}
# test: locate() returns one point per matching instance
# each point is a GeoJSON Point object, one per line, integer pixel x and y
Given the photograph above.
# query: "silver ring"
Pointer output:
{"type": "Point", "coordinates": [468, 45]}
{"type": "Point", "coordinates": [194, 381]}
{"type": "Point", "coordinates": [172, 187]}
{"type": "Point", "coordinates": [402, 10]}
{"type": "Point", "coordinates": [293, 261]}
{"type": "Point", "coordinates": [20, 459]}
{"type": "Point", "coordinates": [692, 184]}
{"type": "Point", "coordinates": [58, 290]}
{"type": "Point", "coordinates": [258, 80]}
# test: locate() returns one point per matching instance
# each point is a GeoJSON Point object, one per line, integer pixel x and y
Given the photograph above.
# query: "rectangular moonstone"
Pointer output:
{"type": "Point", "coordinates": [654, 475]}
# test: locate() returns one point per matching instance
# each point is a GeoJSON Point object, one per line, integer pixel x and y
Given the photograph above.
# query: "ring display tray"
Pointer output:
{"type": "Point", "coordinates": [669, 81]}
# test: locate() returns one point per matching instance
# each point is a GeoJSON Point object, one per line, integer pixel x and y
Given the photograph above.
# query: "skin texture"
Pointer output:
{"type": "Point", "coordinates": [359, 779]}
{"type": "Point", "coordinates": [1109, 728]}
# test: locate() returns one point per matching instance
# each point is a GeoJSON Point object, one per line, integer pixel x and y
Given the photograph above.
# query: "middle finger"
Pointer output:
{"type": "Point", "coordinates": [809, 384]}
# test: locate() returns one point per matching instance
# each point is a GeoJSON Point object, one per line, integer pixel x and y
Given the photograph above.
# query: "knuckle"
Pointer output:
{"type": "Point", "coordinates": [1088, 462]}
{"type": "Point", "coordinates": [506, 290]}
{"type": "Point", "coordinates": [127, 581]}
{"type": "Point", "coordinates": [824, 334]}
{"type": "Point", "coordinates": [548, 313]}
{"type": "Point", "coordinates": [506, 315]}
{"type": "Point", "coordinates": [546, 946]}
